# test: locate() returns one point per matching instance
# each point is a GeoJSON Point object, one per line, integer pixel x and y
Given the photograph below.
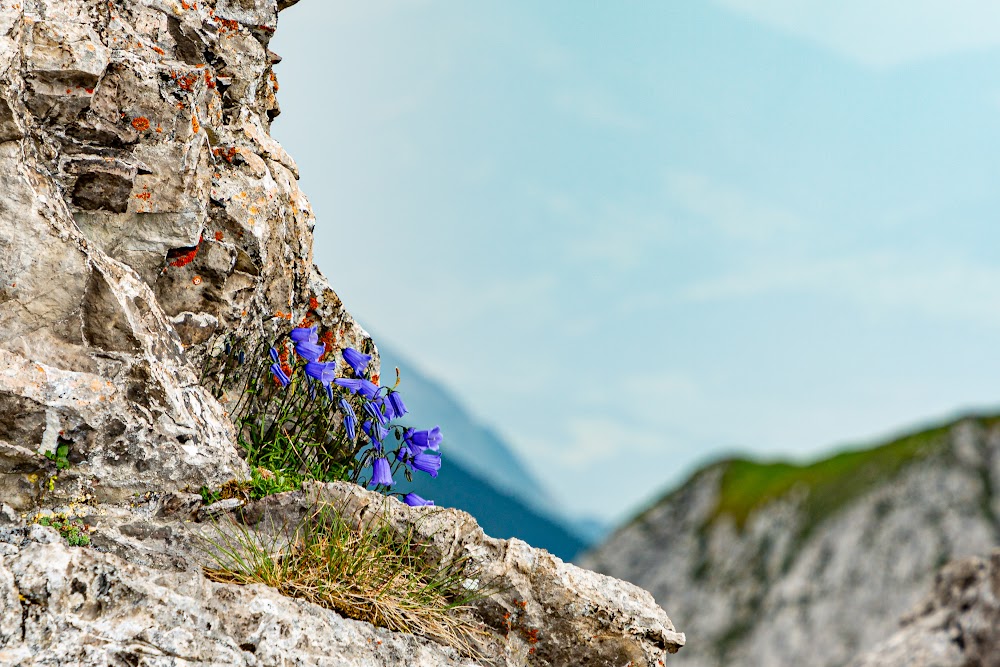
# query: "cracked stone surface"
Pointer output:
{"type": "Point", "coordinates": [145, 210]}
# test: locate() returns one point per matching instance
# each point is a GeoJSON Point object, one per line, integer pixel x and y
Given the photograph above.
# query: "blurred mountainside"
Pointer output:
{"type": "Point", "coordinates": [480, 473]}
{"type": "Point", "coordinates": [773, 564]}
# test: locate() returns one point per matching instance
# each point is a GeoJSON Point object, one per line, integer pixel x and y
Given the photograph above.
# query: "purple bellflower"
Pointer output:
{"type": "Point", "coordinates": [322, 371]}
{"type": "Point", "coordinates": [413, 500]}
{"type": "Point", "coordinates": [418, 441]}
{"type": "Point", "coordinates": [427, 463]}
{"type": "Point", "coordinates": [356, 360]}
{"type": "Point", "coordinates": [309, 351]}
{"type": "Point", "coordinates": [304, 334]}
{"type": "Point", "coordinates": [376, 432]}
{"type": "Point", "coordinates": [274, 355]}
{"type": "Point", "coordinates": [375, 410]}
{"type": "Point", "coordinates": [395, 405]}
{"type": "Point", "coordinates": [280, 375]}
{"type": "Point", "coordinates": [381, 474]}
{"type": "Point", "coordinates": [359, 386]}
{"type": "Point", "coordinates": [350, 419]}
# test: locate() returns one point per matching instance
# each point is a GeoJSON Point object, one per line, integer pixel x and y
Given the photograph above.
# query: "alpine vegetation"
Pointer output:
{"type": "Point", "coordinates": [301, 415]}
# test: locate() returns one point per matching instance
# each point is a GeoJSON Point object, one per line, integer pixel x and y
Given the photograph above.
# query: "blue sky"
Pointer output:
{"type": "Point", "coordinates": [635, 237]}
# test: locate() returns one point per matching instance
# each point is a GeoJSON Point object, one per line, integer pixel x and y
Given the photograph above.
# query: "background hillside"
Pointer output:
{"type": "Point", "coordinates": [773, 564]}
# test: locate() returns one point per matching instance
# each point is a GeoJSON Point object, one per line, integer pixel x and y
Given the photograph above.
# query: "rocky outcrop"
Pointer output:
{"type": "Point", "coordinates": [66, 606]}
{"type": "Point", "coordinates": [956, 625]}
{"type": "Point", "coordinates": [144, 209]}
{"type": "Point", "coordinates": [779, 564]}
{"type": "Point", "coordinates": [145, 215]}
{"type": "Point", "coordinates": [141, 591]}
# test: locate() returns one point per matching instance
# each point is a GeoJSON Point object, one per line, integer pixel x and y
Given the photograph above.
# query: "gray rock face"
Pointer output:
{"type": "Point", "coordinates": [66, 606]}
{"type": "Point", "coordinates": [143, 209]}
{"type": "Point", "coordinates": [578, 617]}
{"type": "Point", "coordinates": [141, 591]}
{"type": "Point", "coordinates": [956, 625]}
{"type": "Point", "coordinates": [825, 567]}
{"type": "Point", "coordinates": [145, 212]}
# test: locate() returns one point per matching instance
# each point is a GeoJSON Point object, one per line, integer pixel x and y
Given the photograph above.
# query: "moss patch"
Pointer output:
{"type": "Point", "coordinates": [826, 485]}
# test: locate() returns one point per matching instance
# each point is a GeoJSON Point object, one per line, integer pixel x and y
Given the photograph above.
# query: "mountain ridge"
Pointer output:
{"type": "Point", "coordinates": [763, 562]}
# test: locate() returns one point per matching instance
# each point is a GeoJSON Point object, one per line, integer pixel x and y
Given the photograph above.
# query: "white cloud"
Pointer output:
{"type": "Point", "coordinates": [728, 210]}
{"type": "Point", "coordinates": [935, 286]}
{"type": "Point", "coordinates": [598, 108]}
{"type": "Point", "coordinates": [882, 33]}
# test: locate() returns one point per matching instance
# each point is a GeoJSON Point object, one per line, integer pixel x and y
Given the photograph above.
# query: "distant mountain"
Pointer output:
{"type": "Point", "coordinates": [773, 564]}
{"type": "Point", "coordinates": [480, 473]}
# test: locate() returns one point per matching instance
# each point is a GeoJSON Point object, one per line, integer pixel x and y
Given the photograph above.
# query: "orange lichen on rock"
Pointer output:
{"type": "Point", "coordinates": [187, 81]}
{"type": "Point", "coordinates": [140, 123]}
{"type": "Point", "coordinates": [209, 81]}
{"type": "Point", "coordinates": [227, 154]}
{"type": "Point", "coordinates": [218, 236]}
{"type": "Point", "coordinates": [195, 126]}
{"type": "Point", "coordinates": [179, 257]}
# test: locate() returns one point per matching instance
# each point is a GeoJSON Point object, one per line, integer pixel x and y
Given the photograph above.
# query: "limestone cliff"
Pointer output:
{"type": "Point", "coordinates": [956, 625]}
{"type": "Point", "coordinates": [143, 209]}
{"type": "Point", "coordinates": [780, 564]}
{"type": "Point", "coordinates": [145, 212]}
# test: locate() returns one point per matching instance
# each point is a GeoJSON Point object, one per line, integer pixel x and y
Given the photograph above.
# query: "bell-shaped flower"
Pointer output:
{"type": "Point", "coordinates": [413, 500]}
{"type": "Point", "coordinates": [280, 375]}
{"type": "Point", "coordinates": [395, 406]}
{"type": "Point", "coordinates": [309, 351]}
{"type": "Point", "coordinates": [375, 410]}
{"type": "Point", "coordinates": [322, 371]}
{"type": "Point", "coordinates": [304, 334]}
{"type": "Point", "coordinates": [418, 441]}
{"type": "Point", "coordinates": [376, 432]}
{"type": "Point", "coordinates": [428, 463]}
{"type": "Point", "coordinates": [356, 360]}
{"type": "Point", "coordinates": [350, 419]}
{"type": "Point", "coordinates": [274, 355]}
{"type": "Point", "coordinates": [359, 386]}
{"type": "Point", "coordinates": [381, 474]}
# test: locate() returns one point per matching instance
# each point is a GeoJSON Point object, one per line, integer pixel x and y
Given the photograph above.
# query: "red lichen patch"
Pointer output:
{"type": "Point", "coordinates": [209, 79]}
{"type": "Point", "coordinates": [376, 378]}
{"type": "Point", "coordinates": [274, 80]}
{"type": "Point", "coordinates": [89, 91]}
{"type": "Point", "coordinates": [218, 236]}
{"type": "Point", "coordinates": [140, 123]}
{"type": "Point", "coordinates": [192, 5]}
{"type": "Point", "coordinates": [227, 154]}
{"type": "Point", "coordinates": [195, 126]}
{"type": "Point", "coordinates": [159, 50]}
{"type": "Point", "coordinates": [159, 129]}
{"type": "Point", "coordinates": [179, 257]}
{"type": "Point", "coordinates": [196, 280]}
{"type": "Point", "coordinates": [225, 25]}
{"type": "Point", "coordinates": [313, 303]}
{"type": "Point", "coordinates": [187, 82]}
{"type": "Point", "coordinates": [145, 195]}
{"type": "Point", "coordinates": [283, 315]}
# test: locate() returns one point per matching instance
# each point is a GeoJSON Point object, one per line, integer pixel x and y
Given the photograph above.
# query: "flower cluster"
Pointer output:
{"type": "Point", "coordinates": [362, 441]}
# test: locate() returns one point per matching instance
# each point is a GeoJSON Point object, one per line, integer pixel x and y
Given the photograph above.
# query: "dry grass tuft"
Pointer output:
{"type": "Point", "coordinates": [368, 572]}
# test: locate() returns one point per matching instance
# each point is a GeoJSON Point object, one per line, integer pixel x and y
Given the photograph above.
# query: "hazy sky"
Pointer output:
{"type": "Point", "coordinates": [636, 236]}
